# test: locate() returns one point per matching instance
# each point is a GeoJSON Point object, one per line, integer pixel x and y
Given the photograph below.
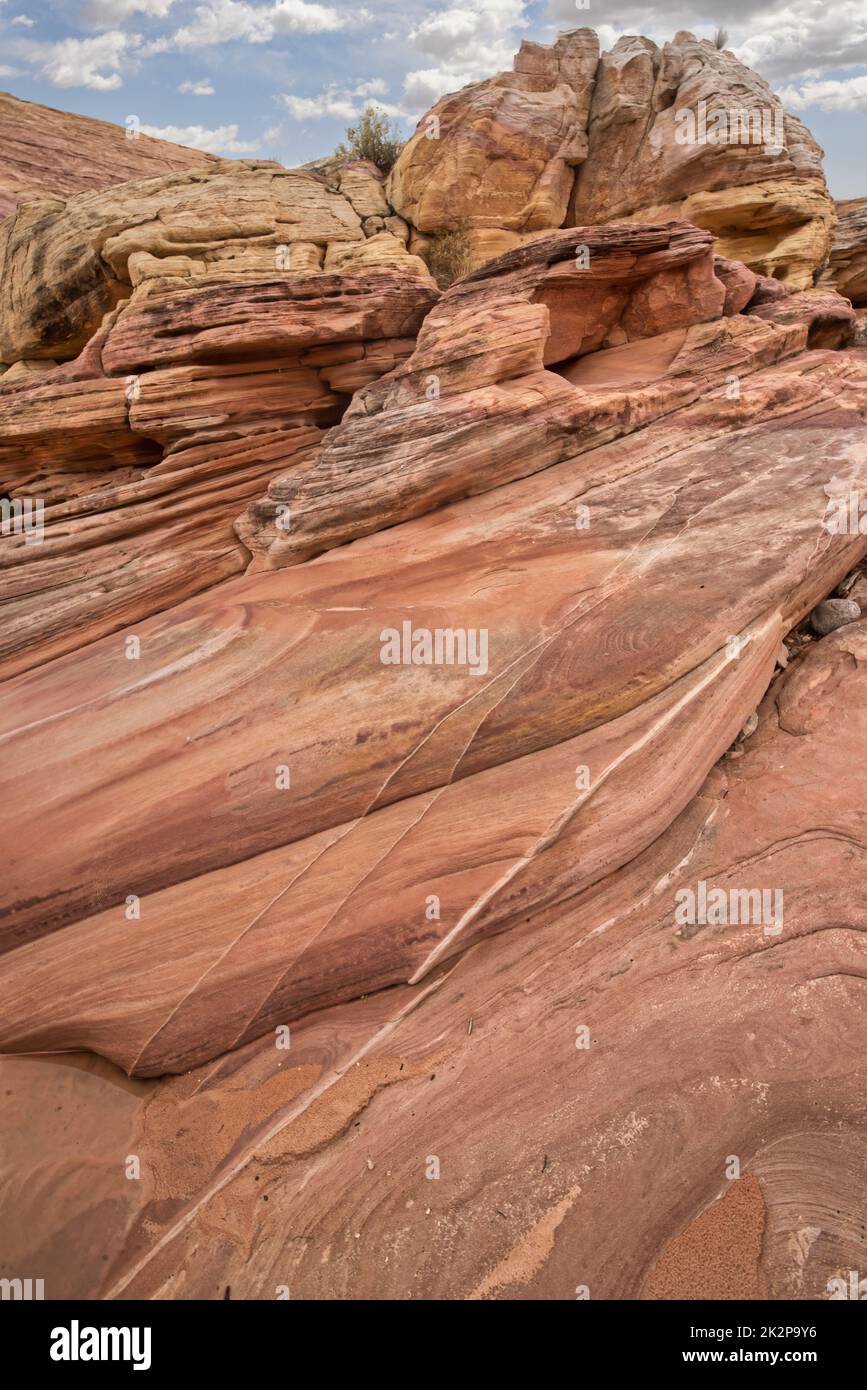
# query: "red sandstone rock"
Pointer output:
{"type": "Point", "coordinates": [51, 154]}
{"type": "Point", "coordinates": [474, 406]}
{"type": "Point", "coordinates": [830, 319]}
{"type": "Point", "coordinates": [609, 648]}
{"type": "Point", "coordinates": [768, 289]}
{"type": "Point", "coordinates": [740, 283]}
{"type": "Point", "coordinates": [847, 267]}
{"type": "Point", "coordinates": [615, 1175]}
{"type": "Point", "coordinates": [589, 461]}
{"type": "Point", "coordinates": [682, 131]}
{"type": "Point", "coordinates": [144, 470]}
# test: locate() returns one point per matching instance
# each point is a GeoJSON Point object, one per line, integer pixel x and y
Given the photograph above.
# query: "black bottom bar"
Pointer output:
{"type": "Point", "coordinates": [246, 1339]}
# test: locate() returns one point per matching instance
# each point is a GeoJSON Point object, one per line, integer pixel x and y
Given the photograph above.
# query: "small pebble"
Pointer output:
{"type": "Point", "coordinates": [833, 613]}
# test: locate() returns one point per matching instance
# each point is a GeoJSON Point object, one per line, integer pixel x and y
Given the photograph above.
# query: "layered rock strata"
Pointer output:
{"type": "Point", "coordinates": [847, 266]}
{"type": "Point", "coordinates": [570, 341]}
{"type": "Point", "coordinates": [667, 1048]}
{"type": "Point", "coordinates": [281, 845]}
{"type": "Point", "coordinates": [213, 372]}
{"type": "Point", "coordinates": [48, 154]}
{"type": "Point", "coordinates": [402, 692]}
{"type": "Point", "coordinates": [644, 132]}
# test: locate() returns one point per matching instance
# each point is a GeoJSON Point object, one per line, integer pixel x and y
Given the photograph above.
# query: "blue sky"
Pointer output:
{"type": "Point", "coordinates": [283, 78]}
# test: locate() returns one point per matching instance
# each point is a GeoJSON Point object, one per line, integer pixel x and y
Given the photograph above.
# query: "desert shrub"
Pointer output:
{"type": "Point", "coordinates": [721, 38]}
{"type": "Point", "coordinates": [449, 255]}
{"type": "Point", "coordinates": [374, 138]}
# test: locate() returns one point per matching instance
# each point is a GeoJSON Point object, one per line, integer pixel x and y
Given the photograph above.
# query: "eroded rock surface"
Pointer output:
{"type": "Point", "coordinates": [215, 370]}
{"type": "Point", "coordinates": [391, 682]}
{"type": "Point", "coordinates": [635, 317]}
{"type": "Point", "coordinates": [646, 132]}
{"type": "Point", "coordinates": [633, 1131]}
{"type": "Point", "coordinates": [847, 267]}
{"type": "Point", "coordinates": [500, 155]}
{"type": "Point", "coordinates": [281, 840]}
{"type": "Point", "coordinates": [49, 154]}
{"type": "Point", "coordinates": [64, 265]}
{"type": "Point", "coordinates": [688, 131]}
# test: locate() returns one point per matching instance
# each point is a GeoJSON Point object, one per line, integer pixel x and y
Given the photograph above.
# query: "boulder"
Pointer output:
{"type": "Point", "coordinates": [847, 264]}
{"type": "Point", "coordinates": [682, 131]}
{"type": "Point", "coordinates": [501, 154]}
{"type": "Point", "coordinates": [833, 613]}
{"type": "Point", "coordinates": [64, 265]}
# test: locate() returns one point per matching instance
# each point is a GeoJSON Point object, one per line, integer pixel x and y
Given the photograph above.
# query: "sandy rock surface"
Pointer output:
{"type": "Point", "coordinates": [433, 719]}
{"type": "Point", "coordinates": [48, 154]}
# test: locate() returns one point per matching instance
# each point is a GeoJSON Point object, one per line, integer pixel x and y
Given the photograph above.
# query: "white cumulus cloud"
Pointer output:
{"type": "Point", "coordinates": [462, 43]}
{"type": "Point", "coordinates": [781, 39]}
{"type": "Point", "coordinates": [222, 139]}
{"type": "Point", "coordinates": [325, 104]}
{"type": "Point", "coordinates": [221, 21]}
{"type": "Point", "coordinates": [111, 12]}
{"type": "Point", "coordinates": [301, 17]}
{"type": "Point", "coordinates": [94, 62]}
{"type": "Point", "coordinates": [201, 88]}
{"type": "Point", "coordinates": [843, 94]}
{"type": "Point", "coordinates": [805, 39]}
{"type": "Point", "coordinates": [375, 87]}
{"type": "Point", "coordinates": [341, 103]}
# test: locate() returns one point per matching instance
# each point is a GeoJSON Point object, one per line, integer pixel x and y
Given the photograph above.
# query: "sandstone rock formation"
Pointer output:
{"type": "Point", "coordinates": [252, 917]}
{"type": "Point", "coordinates": [500, 155]}
{"type": "Point", "coordinates": [63, 266]}
{"type": "Point", "coordinates": [741, 166]}
{"type": "Point", "coordinates": [47, 154]}
{"type": "Point", "coordinates": [635, 320]}
{"type": "Point", "coordinates": [570, 138]}
{"type": "Point", "coordinates": [847, 266]}
{"type": "Point", "coordinates": [703, 1042]}
{"type": "Point", "coordinates": [201, 376]}
{"type": "Point", "coordinates": [417, 748]}
{"type": "Point", "coordinates": [830, 319]}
